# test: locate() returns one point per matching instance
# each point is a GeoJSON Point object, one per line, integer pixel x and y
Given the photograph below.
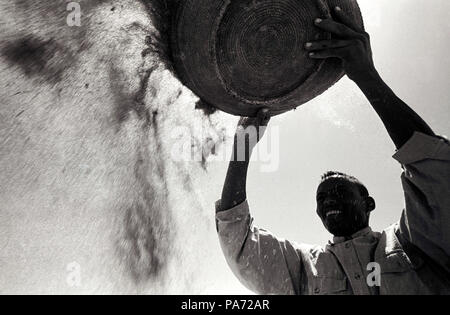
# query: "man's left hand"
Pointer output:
{"type": "Point", "coordinates": [351, 44]}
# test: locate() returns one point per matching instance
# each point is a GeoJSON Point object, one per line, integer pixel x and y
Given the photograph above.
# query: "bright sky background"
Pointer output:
{"type": "Point", "coordinates": [340, 131]}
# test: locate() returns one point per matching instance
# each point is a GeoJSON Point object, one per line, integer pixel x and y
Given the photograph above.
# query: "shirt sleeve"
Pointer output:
{"type": "Point", "coordinates": [262, 262]}
{"type": "Point", "coordinates": [425, 221]}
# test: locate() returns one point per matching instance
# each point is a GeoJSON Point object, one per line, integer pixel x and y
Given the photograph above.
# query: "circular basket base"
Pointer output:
{"type": "Point", "coordinates": [240, 56]}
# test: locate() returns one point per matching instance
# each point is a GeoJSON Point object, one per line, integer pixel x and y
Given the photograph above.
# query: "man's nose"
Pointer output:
{"type": "Point", "coordinates": [330, 202]}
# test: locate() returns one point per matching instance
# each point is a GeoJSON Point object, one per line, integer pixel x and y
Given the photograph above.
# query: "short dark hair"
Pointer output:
{"type": "Point", "coordinates": [363, 190]}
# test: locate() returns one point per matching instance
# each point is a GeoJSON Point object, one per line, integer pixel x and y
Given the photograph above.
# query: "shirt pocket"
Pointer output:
{"type": "Point", "coordinates": [398, 262]}
{"type": "Point", "coordinates": [323, 285]}
{"type": "Point", "coordinates": [398, 275]}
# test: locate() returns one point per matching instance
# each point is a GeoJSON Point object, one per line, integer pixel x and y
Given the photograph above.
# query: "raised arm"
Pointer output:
{"type": "Point", "coordinates": [352, 46]}
{"type": "Point", "coordinates": [261, 261]}
{"type": "Point", "coordinates": [424, 156]}
{"type": "Point", "coordinates": [248, 133]}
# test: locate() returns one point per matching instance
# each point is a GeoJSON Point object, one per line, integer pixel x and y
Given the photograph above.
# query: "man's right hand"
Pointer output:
{"type": "Point", "coordinates": [249, 132]}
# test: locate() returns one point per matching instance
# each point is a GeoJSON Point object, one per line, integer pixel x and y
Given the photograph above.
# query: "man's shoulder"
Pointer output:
{"type": "Point", "coordinates": [388, 242]}
{"type": "Point", "coordinates": [307, 250]}
{"type": "Point", "coordinates": [393, 251]}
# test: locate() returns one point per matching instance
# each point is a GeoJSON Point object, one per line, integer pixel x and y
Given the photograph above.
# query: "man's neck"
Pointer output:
{"type": "Point", "coordinates": [360, 233]}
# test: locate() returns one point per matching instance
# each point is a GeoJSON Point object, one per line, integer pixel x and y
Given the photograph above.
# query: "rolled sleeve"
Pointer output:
{"type": "Point", "coordinates": [426, 219]}
{"type": "Point", "coordinates": [262, 262]}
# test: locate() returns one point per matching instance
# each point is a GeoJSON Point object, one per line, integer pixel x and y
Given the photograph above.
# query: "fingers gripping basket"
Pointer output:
{"type": "Point", "coordinates": [242, 55]}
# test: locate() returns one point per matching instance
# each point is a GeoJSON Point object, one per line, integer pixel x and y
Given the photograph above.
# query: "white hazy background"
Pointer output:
{"type": "Point", "coordinates": [340, 131]}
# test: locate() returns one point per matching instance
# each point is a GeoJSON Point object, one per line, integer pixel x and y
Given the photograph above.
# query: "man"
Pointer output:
{"type": "Point", "coordinates": [410, 257]}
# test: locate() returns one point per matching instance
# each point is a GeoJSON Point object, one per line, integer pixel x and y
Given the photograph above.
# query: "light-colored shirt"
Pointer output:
{"type": "Point", "coordinates": [413, 255]}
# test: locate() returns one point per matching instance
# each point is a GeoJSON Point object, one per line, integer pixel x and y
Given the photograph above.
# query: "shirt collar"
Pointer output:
{"type": "Point", "coordinates": [361, 233]}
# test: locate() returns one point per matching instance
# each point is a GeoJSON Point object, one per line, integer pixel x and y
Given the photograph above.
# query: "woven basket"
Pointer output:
{"type": "Point", "coordinates": [242, 55]}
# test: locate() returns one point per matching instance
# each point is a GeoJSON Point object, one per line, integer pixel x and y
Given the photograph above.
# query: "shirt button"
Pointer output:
{"type": "Point", "coordinates": [316, 290]}
{"type": "Point", "coordinates": [347, 245]}
{"type": "Point", "coordinates": [357, 276]}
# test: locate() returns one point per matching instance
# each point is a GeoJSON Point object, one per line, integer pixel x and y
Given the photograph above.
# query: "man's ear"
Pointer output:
{"type": "Point", "coordinates": [370, 202]}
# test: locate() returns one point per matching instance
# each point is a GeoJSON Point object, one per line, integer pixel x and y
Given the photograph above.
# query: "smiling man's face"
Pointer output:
{"type": "Point", "coordinates": [343, 206]}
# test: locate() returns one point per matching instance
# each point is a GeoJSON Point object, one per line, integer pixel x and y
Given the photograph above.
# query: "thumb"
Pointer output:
{"type": "Point", "coordinates": [263, 117]}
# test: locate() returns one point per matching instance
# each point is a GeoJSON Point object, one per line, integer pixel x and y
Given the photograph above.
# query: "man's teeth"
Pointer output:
{"type": "Point", "coordinates": [333, 212]}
